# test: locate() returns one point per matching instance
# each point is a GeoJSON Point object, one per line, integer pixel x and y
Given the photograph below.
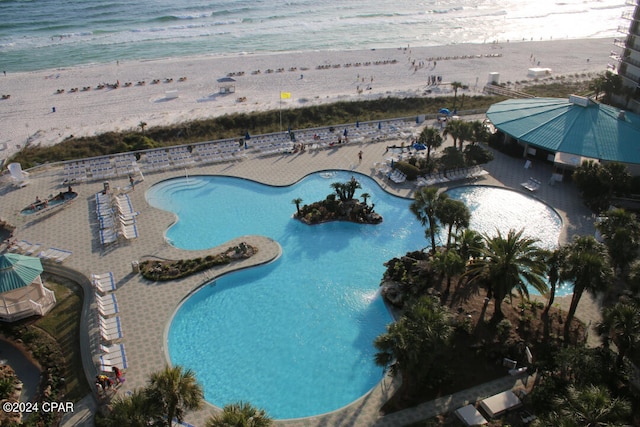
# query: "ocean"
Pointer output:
{"type": "Point", "coordinates": [44, 34]}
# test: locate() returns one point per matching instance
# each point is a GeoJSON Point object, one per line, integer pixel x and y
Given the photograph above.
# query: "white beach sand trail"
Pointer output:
{"type": "Point", "coordinates": [36, 112]}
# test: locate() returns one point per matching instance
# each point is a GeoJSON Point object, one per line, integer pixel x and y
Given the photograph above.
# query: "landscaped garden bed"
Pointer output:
{"type": "Point", "coordinates": [163, 270]}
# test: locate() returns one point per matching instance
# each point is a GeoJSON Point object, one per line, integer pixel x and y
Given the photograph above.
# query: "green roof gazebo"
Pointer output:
{"type": "Point", "coordinates": [21, 289]}
{"type": "Point", "coordinates": [571, 130]}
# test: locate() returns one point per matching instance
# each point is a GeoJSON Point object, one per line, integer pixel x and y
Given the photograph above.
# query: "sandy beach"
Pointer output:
{"type": "Point", "coordinates": [45, 107]}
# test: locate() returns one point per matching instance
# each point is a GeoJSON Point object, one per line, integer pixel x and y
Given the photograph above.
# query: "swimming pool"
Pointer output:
{"type": "Point", "coordinates": [294, 337]}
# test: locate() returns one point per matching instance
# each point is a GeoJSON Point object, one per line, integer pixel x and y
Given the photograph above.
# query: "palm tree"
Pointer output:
{"type": "Point", "coordinates": [365, 197]}
{"type": "Point", "coordinates": [297, 202]}
{"type": "Point", "coordinates": [241, 414]}
{"type": "Point", "coordinates": [479, 131]}
{"type": "Point", "coordinates": [455, 86]}
{"type": "Point", "coordinates": [554, 260]}
{"type": "Point", "coordinates": [142, 125]}
{"type": "Point", "coordinates": [452, 213]}
{"type": "Point", "coordinates": [453, 128]}
{"type": "Point", "coordinates": [591, 406]}
{"type": "Point", "coordinates": [431, 138]}
{"type": "Point", "coordinates": [621, 324]}
{"type": "Point", "coordinates": [136, 410]}
{"type": "Point", "coordinates": [448, 264]}
{"type": "Point", "coordinates": [413, 346]}
{"type": "Point", "coordinates": [621, 233]}
{"type": "Point", "coordinates": [175, 391]}
{"type": "Point", "coordinates": [465, 134]}
{"type": "Point", "coordinates": [424, 207]}
{"type": "Point", "coordinates": [469, 244]}
{"type": "Point", "coordinates": [508, 263]}
{"type": "Point", "coordinates": [587, 266]}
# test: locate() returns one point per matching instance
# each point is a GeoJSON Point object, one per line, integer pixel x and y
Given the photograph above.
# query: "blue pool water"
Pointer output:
{"type": "Point", "coordinates": [295, 336]}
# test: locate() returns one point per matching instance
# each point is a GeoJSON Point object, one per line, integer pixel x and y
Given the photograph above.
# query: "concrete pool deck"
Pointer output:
{"type": "Point", "coordinates": [146, 308]}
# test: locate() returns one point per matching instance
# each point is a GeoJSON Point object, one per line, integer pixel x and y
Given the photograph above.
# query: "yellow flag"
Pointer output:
{"type": "Point", "coordinates": [285, 95]}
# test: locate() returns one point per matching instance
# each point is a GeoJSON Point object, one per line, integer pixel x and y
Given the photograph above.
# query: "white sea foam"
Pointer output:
{"type": "Point", "coordinates": [36, 35]}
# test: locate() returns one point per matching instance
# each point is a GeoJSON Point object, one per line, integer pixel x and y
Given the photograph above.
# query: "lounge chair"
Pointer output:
{"type": "Point", "coordinates": [107, 304]}
{"type": "Point", "coordinates": [470, 416]}
{"type": "Point", "coordinates": [104, 283]}
{"type": "Point", "coordinates": [59, 255]}
{"type": "Point", "coordinates": [22, 246]}
{"type": "Point", "coordinates": [113, 355]}
{"type": "Point", "coordinates": [111, 332]}
{"type": "Point", "coordinates": [531, 185]}
{"type": "Point", "coordinates": [107, 236]}
{"type": "Point", "coordinates": [107, 362]}
{"type": "Point", "coordinates": [20, 178]}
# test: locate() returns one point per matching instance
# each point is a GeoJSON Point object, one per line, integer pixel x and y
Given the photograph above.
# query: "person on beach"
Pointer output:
{"type": "Point", "coordinates": [360, 156]}
{"type": "Point", "coordinates": [118, 373]}
{"type": "Point", "coordinates": [132, 182]}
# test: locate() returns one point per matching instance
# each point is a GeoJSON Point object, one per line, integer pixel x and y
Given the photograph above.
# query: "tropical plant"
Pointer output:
{"type": "Point", "coordinates": [554, 259]}
{"type": "Point", "coordinates": [469, 244]}
{"type": "Point", "coordinates": [241, 414]}
{"type": "Point", "coordinates": [414, 347]}
{"type": "Point", "coordinates": [465, 134]}
{"type": "Point", "coordinates": [452, 214]}
{"type": "Point", "coordinates": [621, 233]}
{"type": "Point", "coordinates": [507, 263]}
{"type": "Point", "coordinates": [591, 406]}
{"type": "Point", "coordinates": [424, 207]}
{"type": "Point", "coordinates": [135, 410]}
{"type": "Point", "coordinates": [587, 266]}
{"type": "Point", "coordinates": [431, 139]}
{"type": "Point", "coordinates": [346, 190]}
{"type": "Point", "coordinates": [365, 197]}
{"type": "Point", "coordinates": [448, 264]}
{"type": "Point", "coordinates": [297, 202]}
{"type": "Point", "coordinates": [175, 391]}
{"type": "Point", "coordinates": [455, 86]}
{"type": "Point", "coordinates": [453, 129]}
{"type": "Point", "coordinates": [142, 126]}
{"type": "Point", "coordinates": [621, 324]}
{"type": "Point", "coordinates": [6, 387]}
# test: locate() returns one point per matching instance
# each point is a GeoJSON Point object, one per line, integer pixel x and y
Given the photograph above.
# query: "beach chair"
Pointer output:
{"type": "Point", "coordinates": [107, 304]}
{"type": "Point", "coordinates": [107, 362]}
{"type": "Point", "coordinates": [129, 231]}
{"type": "Point", "coordinates": [59, 255]}
{"type": "Point", "coordinates": [32, 249]}
{"type": "Point", "coordinates": [110, 335]}
{"type": "Point", "coordinates": [107, 236]}
{"type": "Point", "coordinates": [104, 283]}
{"type": "Point", "coordinates": [20, 178]}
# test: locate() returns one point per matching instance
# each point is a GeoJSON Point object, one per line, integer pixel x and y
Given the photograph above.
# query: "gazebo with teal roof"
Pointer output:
{"type": "Point", "coordinates": [22, 291]}
{"type": "Point", "coordinates": [571, 130]}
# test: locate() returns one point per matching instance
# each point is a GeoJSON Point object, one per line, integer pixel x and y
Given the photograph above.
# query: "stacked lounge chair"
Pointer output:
{"type": "Point", "coordinates": [531, 185]}
{"type": "Point", "coordinates": [104, 283]}
{"type": "Point", "coordinates": [112, 351]}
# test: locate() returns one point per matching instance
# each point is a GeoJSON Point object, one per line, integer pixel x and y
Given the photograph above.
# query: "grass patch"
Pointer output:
{"type": "Point", "coordinates": [237, 125]}
{"type": "Point", "coordinates": [63, 324]}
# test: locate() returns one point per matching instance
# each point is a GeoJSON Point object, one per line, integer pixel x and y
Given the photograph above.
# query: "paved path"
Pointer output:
{"type": "Point", "coordinates": [146, 307]}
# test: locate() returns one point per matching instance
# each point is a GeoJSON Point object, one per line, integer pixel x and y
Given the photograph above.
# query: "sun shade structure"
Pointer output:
{"type": "Point", "coordinates": [22, 292]}
{"type": "Point", "coordinates": [574, 129]}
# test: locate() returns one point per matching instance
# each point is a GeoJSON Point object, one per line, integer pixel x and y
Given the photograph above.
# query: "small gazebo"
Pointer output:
{"type": "Point", "coordinates": [21, 289]}
{"type": "Point", "coordinates": [226, 85]}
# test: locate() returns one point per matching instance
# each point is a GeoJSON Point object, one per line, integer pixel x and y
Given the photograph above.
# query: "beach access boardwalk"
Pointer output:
{"type": "Point", "coordinates": [145, 308]}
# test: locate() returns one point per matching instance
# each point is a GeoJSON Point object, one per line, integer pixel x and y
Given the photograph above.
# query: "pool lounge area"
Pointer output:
{"type": "Point", "coordinates": [146, 308]}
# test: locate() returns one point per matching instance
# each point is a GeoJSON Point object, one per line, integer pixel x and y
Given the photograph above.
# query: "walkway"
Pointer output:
{"type": "Point", "coordinates": [146, 307]}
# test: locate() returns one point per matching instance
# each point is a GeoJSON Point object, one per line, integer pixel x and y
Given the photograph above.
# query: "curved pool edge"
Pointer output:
{"type": "Point", "coordinates": [268, 244]}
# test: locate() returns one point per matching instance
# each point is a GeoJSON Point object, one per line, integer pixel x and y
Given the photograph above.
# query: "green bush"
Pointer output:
{"type": "Point", "coordinates": [408, 169]}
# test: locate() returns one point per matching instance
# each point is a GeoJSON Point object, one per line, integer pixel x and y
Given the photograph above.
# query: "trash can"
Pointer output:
{"type": "Point", "coordinates": [135, 267]}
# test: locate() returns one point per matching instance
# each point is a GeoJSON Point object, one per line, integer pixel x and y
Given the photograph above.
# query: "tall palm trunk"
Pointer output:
{"type": "Point", "coordinates": [577, 294]}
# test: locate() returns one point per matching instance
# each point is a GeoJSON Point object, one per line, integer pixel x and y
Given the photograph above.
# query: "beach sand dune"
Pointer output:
{"type": "Point", "coordinates": [45, 107]}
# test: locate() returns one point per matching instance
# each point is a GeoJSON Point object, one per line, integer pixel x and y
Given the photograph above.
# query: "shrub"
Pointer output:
{"type": "Point", "coordinates": [408, 169]}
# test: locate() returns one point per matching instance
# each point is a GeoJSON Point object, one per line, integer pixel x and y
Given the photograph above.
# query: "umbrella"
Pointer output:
{"type": "Point", "coordinates": [357, 124]}
{"type": "Point", "coordinates": [346, 132]}
{"type": "Point", "coordinates": [419, 147]}
{"type": "Point", "coordinates": [17, 271]}
{"type": "Point", "coordinates": [247, 136]}
{"type": "Point", "coordinates": [379, 125]}
{"type": "Point", "coordinates": [445, 111]}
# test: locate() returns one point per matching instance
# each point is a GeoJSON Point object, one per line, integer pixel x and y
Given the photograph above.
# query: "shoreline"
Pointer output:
{"type": "Point", "coordinates": [311, 77]}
